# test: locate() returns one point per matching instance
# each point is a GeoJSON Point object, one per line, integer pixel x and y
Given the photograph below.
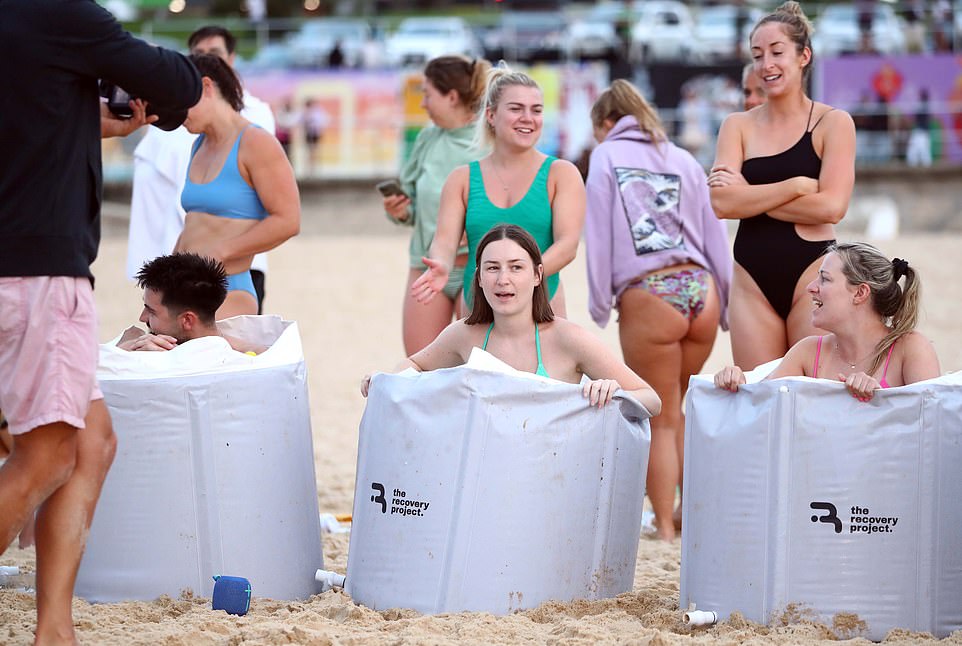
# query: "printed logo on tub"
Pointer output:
{"type": "Point", "coordinates": [401, 505]}
{"type": "Point", "coordinates": [860, 520]}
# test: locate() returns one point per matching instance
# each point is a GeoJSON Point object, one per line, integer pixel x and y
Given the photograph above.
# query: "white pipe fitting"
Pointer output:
{"type": "Point", "coordinates": [329, 580]}
{"type": "Point", "coordinates": [700, 618]}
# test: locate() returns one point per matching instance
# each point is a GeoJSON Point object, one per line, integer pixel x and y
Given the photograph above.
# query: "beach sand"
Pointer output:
{"type": "Point", "coordinates": [342, 280]}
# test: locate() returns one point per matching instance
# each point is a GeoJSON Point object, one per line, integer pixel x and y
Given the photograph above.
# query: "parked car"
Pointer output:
{"type": "Point", "coordinates": [837, 31]}
{"type": "Point", "coordinates": [417, 40]}
{"type": "Point", "coordinates": [588, 38]}
{"type": "Point", "coordinates": [312, 45]}
{"type": "Point", "coordinates": [665, 31]}
{"type": "Point", "coordinates": [601, 30]}
{"type": "Point", "coordinates": [716, 35]}
{"type": "Point", "coordinates": [526, 36]}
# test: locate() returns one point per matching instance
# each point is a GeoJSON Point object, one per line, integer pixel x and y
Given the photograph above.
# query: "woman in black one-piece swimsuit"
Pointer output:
{"type": "Point", "coordinates": [785, 170]}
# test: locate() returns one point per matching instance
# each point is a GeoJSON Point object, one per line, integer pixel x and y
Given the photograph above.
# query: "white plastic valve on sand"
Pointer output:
{"type": "Point", "coordinates": [696, 618]}
{"type": "Point", "coordinates": [826, 503]}
{"type": "Point", "coordinates": [329, 580]}
{"type": "Point", "coordinates": [482, 488]}
{"type": "Point", "coordinates": [214, 472]}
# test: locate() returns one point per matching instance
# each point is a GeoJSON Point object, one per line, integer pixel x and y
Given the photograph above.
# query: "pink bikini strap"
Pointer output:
{"type": "Point", "coordinates": [882, 382]}
{"type": "Point", "coordinates": [818, 351]}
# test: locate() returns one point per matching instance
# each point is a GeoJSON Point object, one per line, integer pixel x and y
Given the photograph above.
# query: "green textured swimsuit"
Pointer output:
{"type": "Point", "coordinates": [532, 212]}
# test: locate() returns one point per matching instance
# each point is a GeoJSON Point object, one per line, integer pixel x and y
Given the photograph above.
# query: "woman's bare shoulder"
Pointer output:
{"type": "Point", "coordinates": [567, 333]}
{"type": "Point", "coordinates": [739, 120]}
{"type": "Point", "coordinates": [460, 176]}
{"type": "Point", "coordinates": [257, 141]}
{"type": "Point", "coordinates": [831, 117]}
{"type": "Point", "coordinates": [915, 342]}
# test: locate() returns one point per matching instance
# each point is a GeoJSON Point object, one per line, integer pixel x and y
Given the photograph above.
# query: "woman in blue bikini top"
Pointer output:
{"type": "Point", "coordinates": [869, 305]}
{"type": "Point", "coordinates": [240, 195]}
{"type": "Point", "coordinates": [512, 320]}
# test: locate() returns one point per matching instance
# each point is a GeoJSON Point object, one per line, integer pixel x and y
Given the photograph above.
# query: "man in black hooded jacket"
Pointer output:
{"type": "Point", "coordinates": [52, 53]}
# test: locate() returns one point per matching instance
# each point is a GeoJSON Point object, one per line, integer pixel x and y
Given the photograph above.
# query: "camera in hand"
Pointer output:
{"type": "Point", "coordinates": [118, 102]}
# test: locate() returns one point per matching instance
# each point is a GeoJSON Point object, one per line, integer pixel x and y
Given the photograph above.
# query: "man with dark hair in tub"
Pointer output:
{"type": "Point", "coordinates": [182, 292]}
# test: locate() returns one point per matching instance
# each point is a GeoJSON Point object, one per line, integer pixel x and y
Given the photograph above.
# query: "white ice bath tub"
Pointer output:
{"type": "Point", "coordinates": [797, 493]}
{"type": "Point", "coordinates": [214, 471]}
{"type": "Point", "coordinates": [481, 490]}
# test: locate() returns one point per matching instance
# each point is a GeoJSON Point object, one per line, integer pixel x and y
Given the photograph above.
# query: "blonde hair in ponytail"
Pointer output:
{"type": "Point", "coordinates": [623, 99]}
{"type": "Point", "coordinates": [499, 78]}
{"type": "Point", "coordinates": [897, 305]}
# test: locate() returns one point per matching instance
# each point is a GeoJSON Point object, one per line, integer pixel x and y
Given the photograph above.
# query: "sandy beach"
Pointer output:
{"type": "Point", "coordinates": [342, 280]}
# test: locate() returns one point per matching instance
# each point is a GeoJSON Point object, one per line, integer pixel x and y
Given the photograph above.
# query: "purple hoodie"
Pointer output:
{"type": "Point", "coordinates": [648, 208]}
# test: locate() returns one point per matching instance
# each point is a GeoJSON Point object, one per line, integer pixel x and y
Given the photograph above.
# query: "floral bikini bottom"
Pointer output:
{"type": "Point", "coordinates": [684, 290]}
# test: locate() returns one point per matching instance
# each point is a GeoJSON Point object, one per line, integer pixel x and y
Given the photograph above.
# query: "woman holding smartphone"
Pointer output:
{"type": "Point", "coordinates": [452, 90]}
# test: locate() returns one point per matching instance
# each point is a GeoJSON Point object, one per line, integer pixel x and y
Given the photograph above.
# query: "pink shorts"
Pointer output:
{"type": "Point", "coordinates": [48, 351]}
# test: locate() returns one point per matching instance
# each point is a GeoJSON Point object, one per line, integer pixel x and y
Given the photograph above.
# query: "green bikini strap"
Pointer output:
{"type": "Point", "coordinates": [488, 335]}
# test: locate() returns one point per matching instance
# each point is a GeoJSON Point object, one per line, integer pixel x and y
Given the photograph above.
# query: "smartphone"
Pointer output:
{"type": "Point", "coordinates": [118, 100]}
{"type": "Point", "coordinates": [389, 187]}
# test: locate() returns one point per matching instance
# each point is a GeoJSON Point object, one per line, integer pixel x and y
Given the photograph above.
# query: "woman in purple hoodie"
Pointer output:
{"type": "Point", "coordinates": [657, 253]}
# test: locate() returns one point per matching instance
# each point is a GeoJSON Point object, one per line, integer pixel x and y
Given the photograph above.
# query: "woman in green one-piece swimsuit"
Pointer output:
{"type": "Point", "coordinates": [514, 184]}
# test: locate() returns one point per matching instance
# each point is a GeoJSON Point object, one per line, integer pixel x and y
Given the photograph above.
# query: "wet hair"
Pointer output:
{"type": "Point", "coordinates": [795, 25]}
{"type": "Point", "coordinates": [498, 78]}
{"type": "Point", "coordinates": [213, 31]}
{"type": "Point", "coordinates": [466, 76]}
{"type": "Point", "coordinates": [186, 281]}
{"type": "Point", "coordinates": [624, 99]}
{"type": "Point", "coordinates": [221, 74]}
{"type": "Point", "coordinates": [897, 304]}
{"type": "Point", "coordinates": [481, 311]}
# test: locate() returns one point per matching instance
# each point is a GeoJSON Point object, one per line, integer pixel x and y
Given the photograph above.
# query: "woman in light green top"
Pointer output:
{"type": "Point", "coordinates": [452, 91]}
{"type": "Point", "coordinates": [514, 184]}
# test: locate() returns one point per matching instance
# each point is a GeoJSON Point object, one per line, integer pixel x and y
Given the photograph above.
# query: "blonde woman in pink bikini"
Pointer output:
{"type": "Point", "coordinates": [869, 306]}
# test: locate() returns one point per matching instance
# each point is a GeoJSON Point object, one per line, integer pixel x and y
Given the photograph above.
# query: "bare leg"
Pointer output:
{"type": "Point", "coordinates": [650, 331]}
{"type": "Point", "coordinates": [422, 323]}
{"type": "Point", "coordinates": [695, 348]}
{"type": "Point", "coordinates": [28, 535]}
{"type": "Point", "coordinates": [63, 523]}
{"type": "Point", "coordinates": [238, 302]}
{"type": "Point", "coordinates": [799, 322]}
{"type": "Point", "coordinates": [41, 461]}
{"type": "Point", "coordinates": [757, 332]}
